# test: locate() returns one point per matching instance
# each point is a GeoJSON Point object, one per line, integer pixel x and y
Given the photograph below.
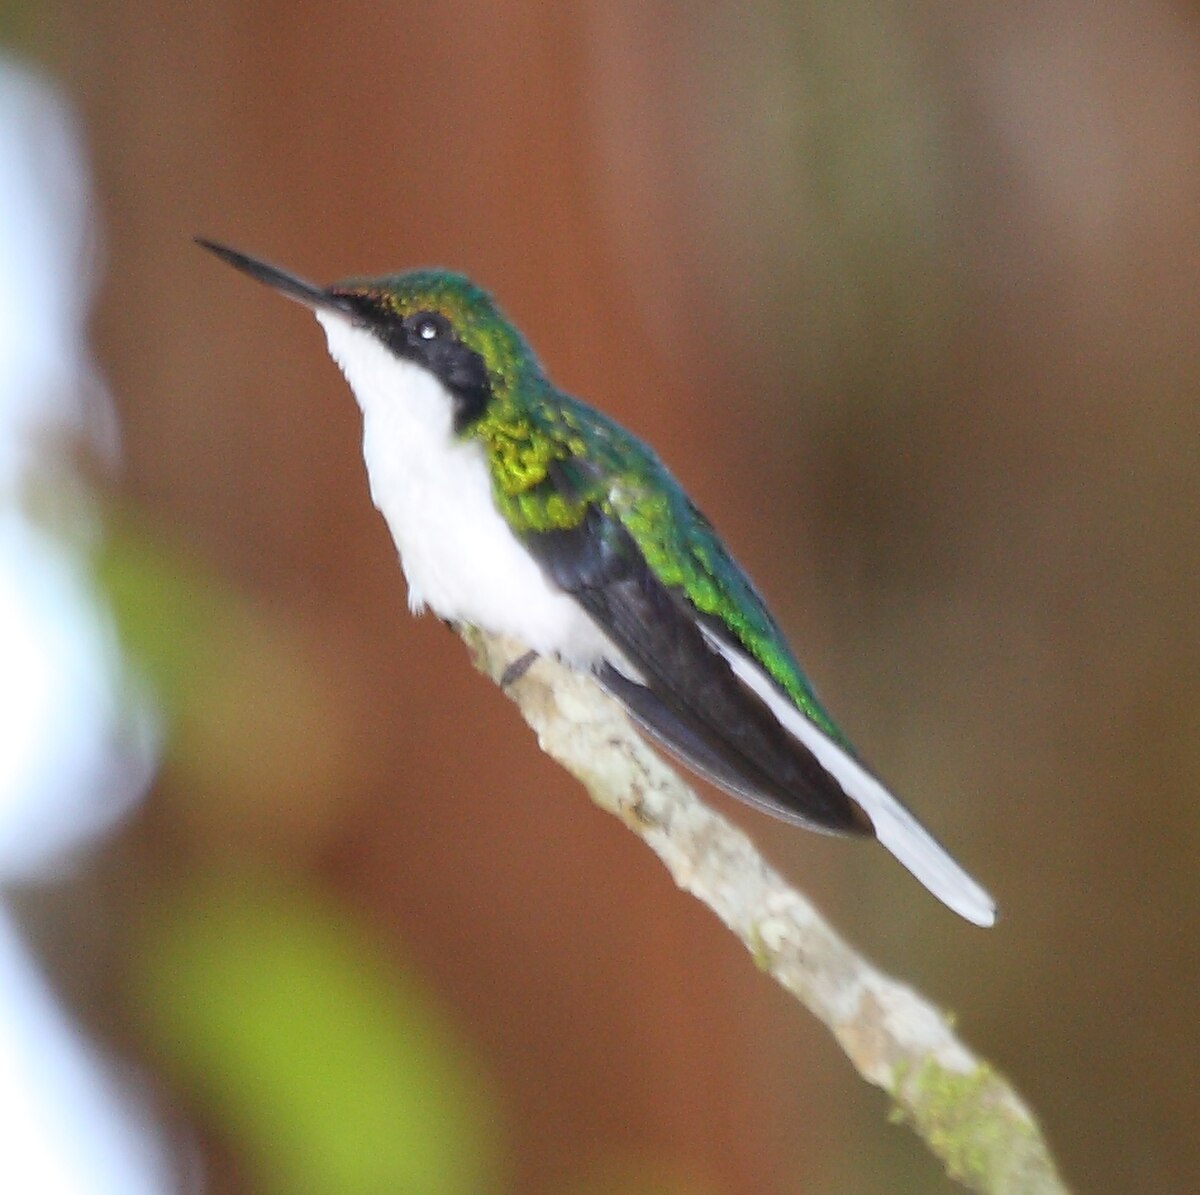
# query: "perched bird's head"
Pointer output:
{"type": "Point", "coordinates": [434, 319]}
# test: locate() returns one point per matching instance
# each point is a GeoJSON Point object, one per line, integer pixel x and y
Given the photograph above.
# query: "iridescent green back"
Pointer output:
{"type": "Point", "coordinates": [624, 478]}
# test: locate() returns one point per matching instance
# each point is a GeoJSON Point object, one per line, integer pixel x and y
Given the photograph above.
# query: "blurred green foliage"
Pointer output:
{"type": "Point", "coordinates": [270, 1007]}
{"type": "Point", "coordinates": [332, 1071]}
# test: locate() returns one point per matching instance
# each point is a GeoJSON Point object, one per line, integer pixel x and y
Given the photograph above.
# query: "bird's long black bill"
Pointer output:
{"type": "Point", "coordinates": [286, 284]}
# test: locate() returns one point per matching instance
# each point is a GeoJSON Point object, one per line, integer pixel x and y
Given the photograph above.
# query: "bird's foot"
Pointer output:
{"type": "Point", "coordinates": [517, 669]}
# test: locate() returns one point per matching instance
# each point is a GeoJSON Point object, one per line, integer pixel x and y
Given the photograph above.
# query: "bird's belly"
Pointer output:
{"type": "Point", "coordinates": [462, 560]}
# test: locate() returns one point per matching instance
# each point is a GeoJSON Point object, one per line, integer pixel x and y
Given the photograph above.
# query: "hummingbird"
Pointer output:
{"type": "Point", "coordinates": [521, 510]}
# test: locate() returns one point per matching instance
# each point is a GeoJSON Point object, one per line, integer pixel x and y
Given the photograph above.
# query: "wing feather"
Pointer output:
{"type": "Point", "coordinates": [686, 693]}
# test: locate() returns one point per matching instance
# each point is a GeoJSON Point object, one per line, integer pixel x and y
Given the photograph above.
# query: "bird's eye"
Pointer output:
{"type": "Point", "coordinates": [428, 325]}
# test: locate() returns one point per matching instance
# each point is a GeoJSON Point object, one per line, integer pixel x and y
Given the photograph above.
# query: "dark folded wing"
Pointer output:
{"type": "Point", "coordinates": [685, 693]}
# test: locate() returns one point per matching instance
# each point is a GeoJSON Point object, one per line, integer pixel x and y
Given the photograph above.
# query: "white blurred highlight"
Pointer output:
{"type": "Point", "coordinates": [75, 753]}
{"type": "Point", "coordinates": [67, 1126]}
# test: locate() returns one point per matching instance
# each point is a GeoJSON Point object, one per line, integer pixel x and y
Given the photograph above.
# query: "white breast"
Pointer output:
{"type": "Point", "coordinates": [458, 554]}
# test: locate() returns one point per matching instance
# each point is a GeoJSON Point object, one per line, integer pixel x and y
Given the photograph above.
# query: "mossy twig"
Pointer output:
{"type": "Point", "coordinates": [965, 1111]}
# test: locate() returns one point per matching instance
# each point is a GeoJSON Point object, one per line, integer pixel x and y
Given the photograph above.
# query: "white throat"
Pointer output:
{"type": "Point", "coordinates": [433, 488]}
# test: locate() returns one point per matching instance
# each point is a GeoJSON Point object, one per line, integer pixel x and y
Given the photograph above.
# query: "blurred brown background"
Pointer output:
{"type": "Point", "coordinates": [907, 296]}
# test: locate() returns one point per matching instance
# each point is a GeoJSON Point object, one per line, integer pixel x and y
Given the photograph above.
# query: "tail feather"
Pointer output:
{"type": "Point", "coordinates": [895, 827]}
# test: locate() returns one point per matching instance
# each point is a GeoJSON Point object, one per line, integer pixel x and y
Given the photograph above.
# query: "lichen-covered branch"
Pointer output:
{"type": "Point", "coordinates": [967, 1113]}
